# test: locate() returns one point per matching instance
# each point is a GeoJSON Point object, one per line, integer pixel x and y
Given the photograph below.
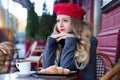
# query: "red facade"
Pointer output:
{"type": "Point", "coordinates": [109, 37]}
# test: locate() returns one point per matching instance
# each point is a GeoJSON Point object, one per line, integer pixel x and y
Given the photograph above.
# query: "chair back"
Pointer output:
{"type": "Point", "coordinates": [5, 65]}
{"type": "Point", "coordinates": [113, 74]}
{"type": "Point", "coordinates": [33, 46]}
{"type": "Point", "coordinates": [102, 61]}
{"type": "Point", "coordinates": [2, 60]}
{"type": "Point", "coordinates": [7, 48]}
{"type": "Point", "coordinates": [31, 49]}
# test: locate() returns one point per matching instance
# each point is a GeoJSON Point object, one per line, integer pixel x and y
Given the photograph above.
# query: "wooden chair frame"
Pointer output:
{"type": "Point", "coordinates": [101, 68]}
{"type": "Point", "coordinates": [34, 58]}
{"type": "Point", "coordinates": [7, 63]}
{"type": "Point", "coordinates": [8, 48]}
{"type": "Point", "coordinates": [113, 72]}
{"type": "Point", "coordinates": [105, 57]}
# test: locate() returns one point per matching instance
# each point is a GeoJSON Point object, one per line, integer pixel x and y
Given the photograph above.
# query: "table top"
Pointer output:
{"type": "Point", "coordinates": [33, 59]}
{"type": "Point", "coordinates": [17, 76]}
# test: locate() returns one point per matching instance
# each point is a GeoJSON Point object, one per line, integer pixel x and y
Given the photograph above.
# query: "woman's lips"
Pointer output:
{"type": "Point", "coordinates": [62, 30]}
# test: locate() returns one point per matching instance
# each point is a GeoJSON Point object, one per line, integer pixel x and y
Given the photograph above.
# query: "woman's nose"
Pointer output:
{"type": "Point", "coordinates": [60, 24]}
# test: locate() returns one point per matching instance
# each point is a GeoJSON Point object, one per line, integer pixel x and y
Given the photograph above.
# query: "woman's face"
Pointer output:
{"type": "Point", "coordinates": [64, 23]}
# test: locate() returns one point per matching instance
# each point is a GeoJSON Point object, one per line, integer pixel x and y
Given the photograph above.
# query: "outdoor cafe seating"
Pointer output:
{"type": "Point", "coordinates": [7, 51]}
{"type": "Point", "coordinates": [113, 74]}
{"type": "Point", "coordinates": [34, 54]}
{"type": "Point", "coordinates": [102, 64]}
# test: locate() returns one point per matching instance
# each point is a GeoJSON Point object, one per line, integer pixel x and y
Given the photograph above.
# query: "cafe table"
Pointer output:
{"type": "Point", "coordinates": [33, 76]}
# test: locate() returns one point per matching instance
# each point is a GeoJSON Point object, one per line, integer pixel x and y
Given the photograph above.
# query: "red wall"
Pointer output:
{"type": "Point", "coordinates": [108, 38]}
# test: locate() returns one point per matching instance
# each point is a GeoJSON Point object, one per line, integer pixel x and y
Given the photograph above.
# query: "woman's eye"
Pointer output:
{"type": "Point", "coordinates": [58, 20]}
{"type": "Point", "coordinates": [62, 20]}
{"type": "Point", "coordinates": [66, 20]}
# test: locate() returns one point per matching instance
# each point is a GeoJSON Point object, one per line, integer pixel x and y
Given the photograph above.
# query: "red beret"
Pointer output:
{"type": "Point", "coordinates": [69, 9]}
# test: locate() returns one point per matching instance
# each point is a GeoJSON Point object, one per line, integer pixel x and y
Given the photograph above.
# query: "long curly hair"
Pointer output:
{"type": "Point", "coordinates": [82, 30]}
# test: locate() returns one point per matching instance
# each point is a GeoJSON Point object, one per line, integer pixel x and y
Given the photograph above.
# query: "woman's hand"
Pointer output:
{"type": "Point", "coordinates": [60, 36]}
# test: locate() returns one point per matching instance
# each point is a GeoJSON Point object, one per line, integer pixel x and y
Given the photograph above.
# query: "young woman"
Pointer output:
{"type": "Point", "coordinates": [71, 45]}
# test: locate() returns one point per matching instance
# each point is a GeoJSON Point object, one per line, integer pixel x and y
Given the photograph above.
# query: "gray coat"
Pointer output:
{"type": "Point", "coordinates": [66, 60]}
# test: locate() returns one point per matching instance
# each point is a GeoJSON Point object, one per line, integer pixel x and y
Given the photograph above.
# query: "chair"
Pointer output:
{"type": "Point", "coordinates": [5, 64]}
{"type": "Point", "coordinates": [31, 50]}
{"type": "Point", "coordinates": [102, 61]}
{"type": "Point", "coordinates": [2, 61]}
{"type": "Point", "coordinates": [30, 57]}
{"type": "Point", "coordinates": [113, 74]}
{"type": "Point", "coordinates": [8, 49]}
{"type": "Point", "coordinates": [9, 46]}
{"type": "Point", "coordinates": [39, 64]}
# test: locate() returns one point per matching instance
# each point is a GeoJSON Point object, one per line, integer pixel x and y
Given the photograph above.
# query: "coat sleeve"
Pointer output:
{"type": "Point", "coordinates": [89, 72]}
{"type": "Point", "coordinates": [49, 53]}
{"type": "Point", "coordinates": [67, 55]}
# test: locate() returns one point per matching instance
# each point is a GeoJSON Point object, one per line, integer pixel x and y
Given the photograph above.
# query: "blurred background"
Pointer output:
{"type": "Point", "coordinates": [14, 14]}
{"type": "Point", "coordinates": [24, 21]}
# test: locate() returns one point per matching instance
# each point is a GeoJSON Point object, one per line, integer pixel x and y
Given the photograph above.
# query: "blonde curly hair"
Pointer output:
{"type": "Point", "coordinates": [82, 30]}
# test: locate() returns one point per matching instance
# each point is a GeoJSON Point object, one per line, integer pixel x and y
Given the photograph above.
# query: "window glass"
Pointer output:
{"type": "Point", "coordinates": [106, 2]}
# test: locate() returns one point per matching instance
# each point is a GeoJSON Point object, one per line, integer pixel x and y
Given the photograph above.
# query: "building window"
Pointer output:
{"type": "Point", "coordinates": [104, 2]}
{"type": "Point", "coordinates": [110, 4]}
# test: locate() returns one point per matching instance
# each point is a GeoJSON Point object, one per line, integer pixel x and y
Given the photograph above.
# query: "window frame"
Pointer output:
{"type": "Point", "coordinates": [110, 5]}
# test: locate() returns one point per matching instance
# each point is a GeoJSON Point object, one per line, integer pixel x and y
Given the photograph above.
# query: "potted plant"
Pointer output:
{"type": "Point", "coordinates": [32, 25]}
{"type": "Point", "coordinates": [46, 26]}
{"type": "Point", "coordinates": [31, 32]}
{"type": "Point", "coordinates": [38, 30]}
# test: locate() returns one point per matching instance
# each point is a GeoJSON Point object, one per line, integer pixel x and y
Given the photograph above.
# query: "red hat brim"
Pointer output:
{"type": "Point", "coordinates": [69, 9]}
